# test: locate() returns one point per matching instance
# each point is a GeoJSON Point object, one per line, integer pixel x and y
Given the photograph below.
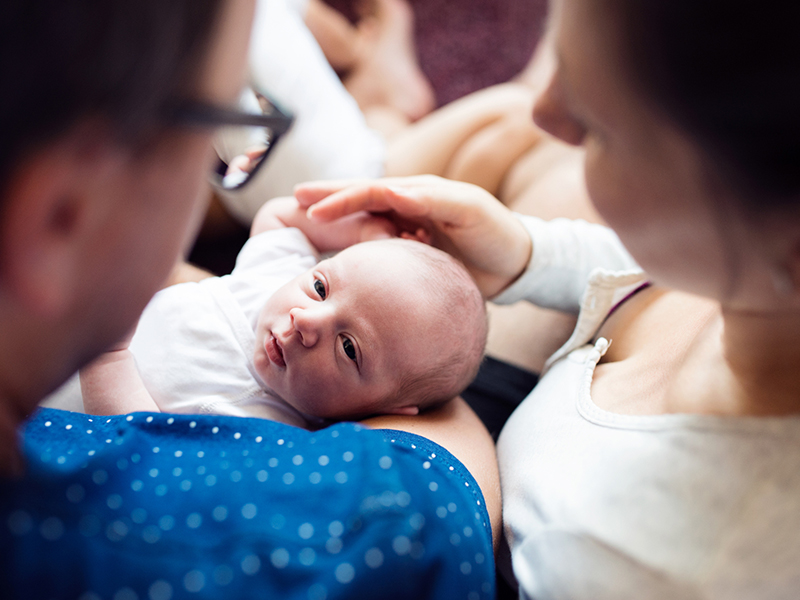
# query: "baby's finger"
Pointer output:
{"type": "Point", "coordinates": [423, 236]}
{"type": "Point", "coordinates": [378, 229]}
{"type": "Point", "coordinates": [411, 236]}
{"type": "Point", "coordinates": [418, 235]}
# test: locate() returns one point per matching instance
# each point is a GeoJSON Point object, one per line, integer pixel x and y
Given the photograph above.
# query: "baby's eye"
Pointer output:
{"type": "Point", "coordinates": [349, 349]}
{"type": "Point", "coordinates": [319, 287]}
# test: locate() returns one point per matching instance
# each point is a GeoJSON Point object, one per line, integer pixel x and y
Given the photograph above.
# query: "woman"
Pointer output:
{"type": "Point", "coordinates": [657, 457]}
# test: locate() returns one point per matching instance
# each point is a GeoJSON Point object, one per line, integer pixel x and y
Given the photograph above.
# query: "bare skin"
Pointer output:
{"type": "Point", "coordinates": [720, 362]}
{"type": "Point", "coordinates": [387, 73]}
{"type": "Point", "coordinates": [334, 33]}
{"type": "Point", "coordinates": [376, 59]}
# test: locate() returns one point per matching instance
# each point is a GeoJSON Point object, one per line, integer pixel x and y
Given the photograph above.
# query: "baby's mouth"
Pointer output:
{"type": "Point", "coordinates": [274, 351]}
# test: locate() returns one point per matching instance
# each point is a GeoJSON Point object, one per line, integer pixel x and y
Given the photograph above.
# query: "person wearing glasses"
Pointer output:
{"type": "Point", "coordinates": [107, 128]}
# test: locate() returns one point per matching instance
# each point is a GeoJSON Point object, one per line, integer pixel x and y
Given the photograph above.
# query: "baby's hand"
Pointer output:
{"type": "Point", "coordinates": [420, 235]}
{"type": "Point", "coordinates": [369, 227]}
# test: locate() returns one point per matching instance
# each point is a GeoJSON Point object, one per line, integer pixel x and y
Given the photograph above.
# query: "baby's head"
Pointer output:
{"type": "Point", "coordinates": [384, 327]}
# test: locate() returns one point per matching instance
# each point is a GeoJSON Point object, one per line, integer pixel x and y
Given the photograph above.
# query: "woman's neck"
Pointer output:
{"type": "Point", "coordinates": [759, 363]}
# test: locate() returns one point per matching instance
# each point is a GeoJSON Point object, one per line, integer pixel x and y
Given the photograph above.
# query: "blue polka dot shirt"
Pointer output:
{"type": "Point", "coordinates": [158, 507]}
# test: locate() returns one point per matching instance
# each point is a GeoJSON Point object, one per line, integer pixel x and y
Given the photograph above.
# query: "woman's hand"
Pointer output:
{"type": "Point", "coordinates": [325, 237]}
{"type": "Point", "coordinates": [461, 219]}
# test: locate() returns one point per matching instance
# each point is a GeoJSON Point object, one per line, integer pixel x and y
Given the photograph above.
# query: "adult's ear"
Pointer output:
{"type": "Point", "coordinates": [54, 200]}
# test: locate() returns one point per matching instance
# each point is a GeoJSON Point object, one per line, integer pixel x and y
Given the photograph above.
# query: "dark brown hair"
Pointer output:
{"type": "Point", "coordinates": [728, 73]}
{"type": "Point", "coordinates": [121, 60]}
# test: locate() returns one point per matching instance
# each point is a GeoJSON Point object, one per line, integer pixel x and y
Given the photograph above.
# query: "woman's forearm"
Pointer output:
{"type": "Point", "coordinates": [565, 254]}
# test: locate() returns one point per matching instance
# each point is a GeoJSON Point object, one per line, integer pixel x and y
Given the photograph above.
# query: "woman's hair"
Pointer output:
{"type": "Point", "coordinates": [728, 73]}
{"type": "Point", "coordinates": [120, 60]}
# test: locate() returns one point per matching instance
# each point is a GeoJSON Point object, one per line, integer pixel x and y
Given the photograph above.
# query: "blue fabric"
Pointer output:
{"type": "Point", "coordinates": [159, 506]}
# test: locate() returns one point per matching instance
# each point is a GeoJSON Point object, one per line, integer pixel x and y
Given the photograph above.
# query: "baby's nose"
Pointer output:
{"type": "Point", "coordinates": [307, 323]}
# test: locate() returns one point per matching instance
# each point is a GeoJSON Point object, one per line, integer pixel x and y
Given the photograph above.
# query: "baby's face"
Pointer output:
{"type": "Point", "coordinates": [339, 338]}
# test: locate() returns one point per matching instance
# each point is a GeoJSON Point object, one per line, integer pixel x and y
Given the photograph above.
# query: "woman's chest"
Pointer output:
{"type": "Point", "coordinates": [656, 339]}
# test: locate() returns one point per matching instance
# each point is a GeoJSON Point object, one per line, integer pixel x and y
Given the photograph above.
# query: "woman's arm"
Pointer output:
{"type": "Point", "coordinates": [566, 253]}
{"type": "Point", "coordinates": [337, 37]}
{"type": "Point", "coordinates": [458, 429]}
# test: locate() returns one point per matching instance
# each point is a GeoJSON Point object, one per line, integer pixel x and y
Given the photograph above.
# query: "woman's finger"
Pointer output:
{"type": "Point", "coordinates": [433, 199]}
{"type": "Point", "coordinates": [353, 199]}
{"type": "Point", "coordinates": [312, 192]}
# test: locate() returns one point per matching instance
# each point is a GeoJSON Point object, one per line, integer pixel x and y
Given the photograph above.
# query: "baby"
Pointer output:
{"type": "Point", "coordinates": [391, 326]}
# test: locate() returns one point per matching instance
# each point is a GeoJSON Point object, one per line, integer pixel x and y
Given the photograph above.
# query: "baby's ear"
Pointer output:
{"type": "Point", "coordinates": [410, 411]}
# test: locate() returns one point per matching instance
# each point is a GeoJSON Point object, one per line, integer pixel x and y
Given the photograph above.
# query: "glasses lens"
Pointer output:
{"type": "Point", "coordinates": [242, 149]}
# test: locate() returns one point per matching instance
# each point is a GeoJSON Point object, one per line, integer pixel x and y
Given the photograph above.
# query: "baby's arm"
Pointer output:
{"type": "Point", "coordinates": [325, 237]}
{"type": "Point", "coordinates": [112, 385]}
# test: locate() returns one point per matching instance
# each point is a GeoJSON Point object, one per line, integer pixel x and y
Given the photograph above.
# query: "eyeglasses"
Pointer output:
{"type": "Point", "coordinates": [245, 137]}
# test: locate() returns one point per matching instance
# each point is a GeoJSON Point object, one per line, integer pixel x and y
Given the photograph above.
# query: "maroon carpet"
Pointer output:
{"type": "Point", "coordinates": [466, 45]}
